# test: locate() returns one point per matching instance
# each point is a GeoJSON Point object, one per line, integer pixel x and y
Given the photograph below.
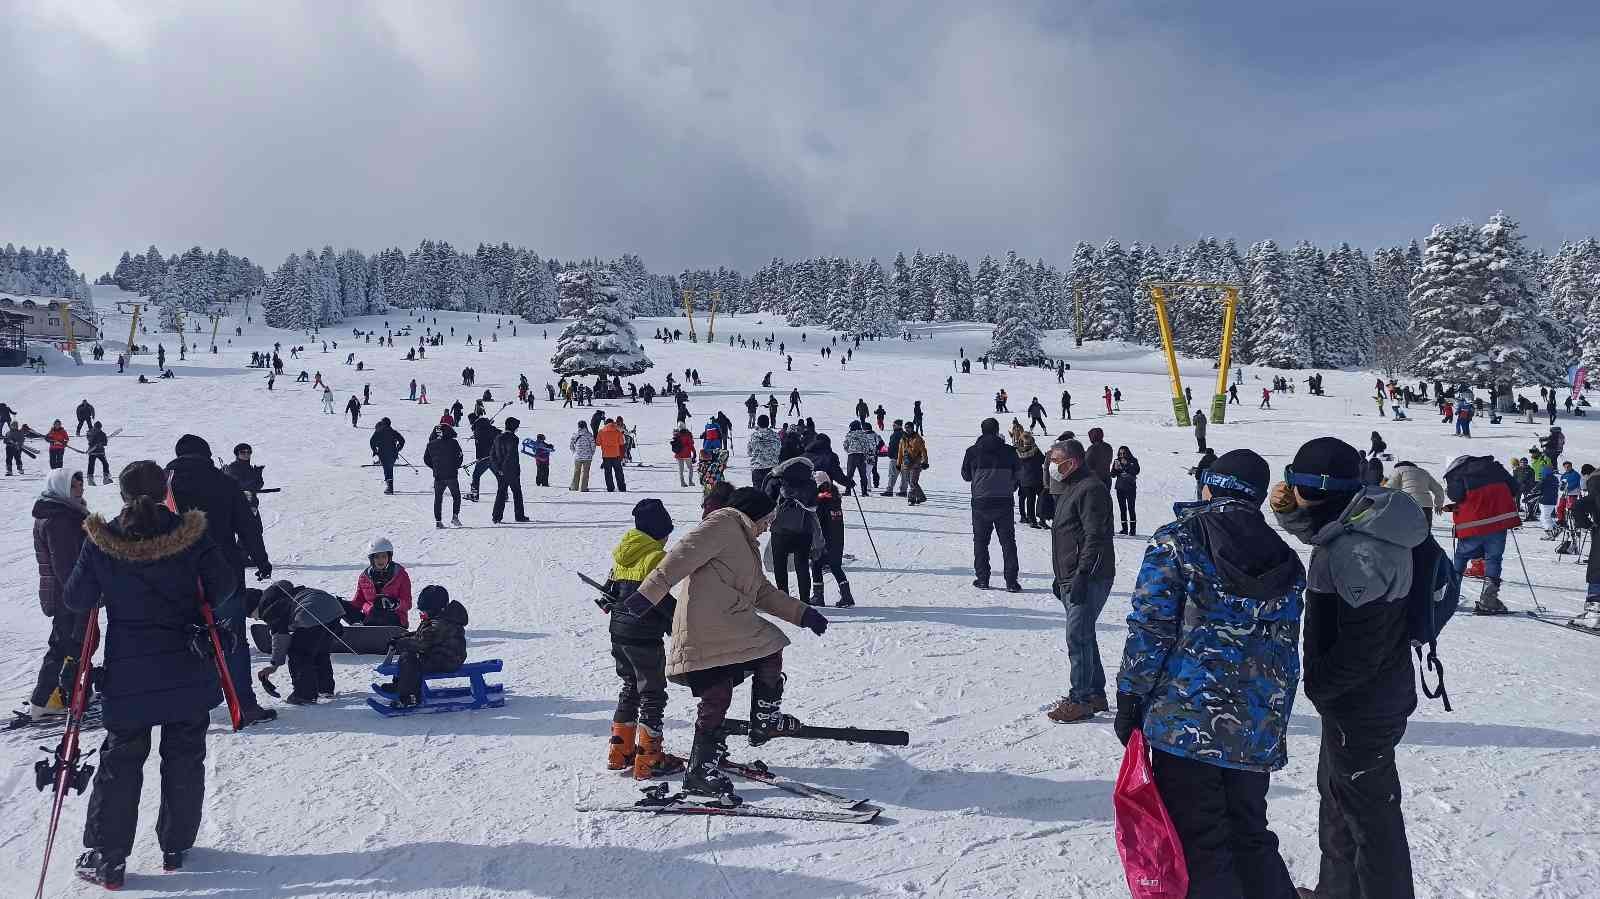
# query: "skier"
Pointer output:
{"type": "Point", "coordinates": [1036, 416]}
{"type": "Point", "coordinates": [1357, 659]}
{"type": "Point", "coordinates": [1106, 394]}
{"type": "Point", "coordinates": [1464, 420]}
{"type": "Point", "coordinates": [830, 516]}
{"type": "Point", "coordinates": [97, 453]}
{"type": "Point", "coordinates": [1554, 444]}
{"type": "Point", "coordinates": [794, 402]}
{"type": "Point", "coordinates": [991, 467]}
{"type": "Point", "coordinates": [582, 448]}
{"type": "Point", "coordinates": [506, 461]}
{"type": "Point", "coordinates": [194, 482]}
{"type": "Point", "coordinates": [1233, 395]}
{"type": "Point", "coordinates": [386, 444]}
{"type": "Point", "coordinates": [949, 384]}
{"type": "Point", "coordinates": [353, 408]}
{"type": "Point", "coordinates": [718, 637]}
{"type": "Point", "coordinates": [1266, 399]}
{"type": "Point", "coordinates": [483, 436]}
{"type": "Point", "coordinates": [1125, 475]}
{"type": "Point", "coordinates": [303, 622]}
{"type": "Point", "coordinates": [638, 648]}
{"type": "Point", "coordinates": [146, 567]}
{"type": "Point", "coordinates": [438, 645]}
{"type": "Point", "coordinates": [58, 516]}
{"type": "Point", "coordinates": [1549, 488]}
{"type": "Point", "coordinates": [1482, 496]}
{"type": "Point", "coordinates": [443, 457]}
{"type": "Point", "coordinates": [85, 416]}
{"type": "Point", "coordinates": [761, 448]}
{"type": "Point", "coordinates": [913, 459]}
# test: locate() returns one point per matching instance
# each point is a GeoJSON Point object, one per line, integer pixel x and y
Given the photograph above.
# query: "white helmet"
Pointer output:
{"type": "Point", "coordinates": [379, 545]}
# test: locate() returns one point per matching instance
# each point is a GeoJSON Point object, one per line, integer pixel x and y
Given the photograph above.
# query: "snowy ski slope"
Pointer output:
{"type": "Point", "coordinates": [990, 798]}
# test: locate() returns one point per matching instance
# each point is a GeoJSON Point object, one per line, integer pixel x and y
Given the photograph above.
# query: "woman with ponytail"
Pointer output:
{"type": "Point", "coordinates": [146, 566]}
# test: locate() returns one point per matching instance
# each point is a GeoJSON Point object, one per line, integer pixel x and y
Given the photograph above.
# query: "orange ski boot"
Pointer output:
{"type": "Point", "coordinates": [652, 761]}
{"type": "Point", "coordinates": [620, 752]}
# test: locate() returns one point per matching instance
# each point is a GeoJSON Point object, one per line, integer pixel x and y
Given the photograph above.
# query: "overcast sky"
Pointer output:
{"type": "Point", "coordinates": [705, 134]}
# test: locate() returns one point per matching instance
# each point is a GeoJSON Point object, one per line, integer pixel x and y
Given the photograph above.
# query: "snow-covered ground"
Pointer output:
{"type": "Point", "coordinates": [990, 798]}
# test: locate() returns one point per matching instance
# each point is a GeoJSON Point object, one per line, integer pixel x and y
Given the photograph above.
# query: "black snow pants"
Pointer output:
{"type": "Point", "coordinates": [114, 804]}
{"type": "Point", "coordinates": [798, 547]}
{"type": "Point", "coordinates": [310, 665]}
{"type": "Point", "coordinates": [66, 639]}
{"type": "Point", "coordinates": [439, 487]}
{"type": "Point", "coordinates": [1221, 818]}
{"type": "Point", "coordinates": [1127, 506]}
{"type": "Point", "coordinates": [643, 671]}
{"type": "Point", "coordinates": [509, 484]}
{"type": "Point", "coordinates": [105, 467]}
{"type": "Point", "coordinates": [1028, 505]}
{"type": "Point", "coordinates": [996, 520]}
{"type": "Point", "coordinates": [1360, 826]}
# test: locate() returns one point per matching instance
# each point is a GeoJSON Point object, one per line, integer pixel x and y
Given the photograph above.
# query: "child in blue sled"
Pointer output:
{"type": "Point", "coordinates": [437, 646]}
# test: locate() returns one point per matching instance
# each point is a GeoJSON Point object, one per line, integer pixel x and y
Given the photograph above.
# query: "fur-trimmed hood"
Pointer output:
{"type": "Point", "coordinates": [180, 533]}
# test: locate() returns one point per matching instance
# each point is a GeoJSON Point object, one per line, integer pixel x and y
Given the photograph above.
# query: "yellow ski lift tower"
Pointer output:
{"type": "Point", "coordinates": [133, 329]}
{"type": "Point", "coordinates": [1230, 308]}
{"type": "Point", "coordinates": [688, 311]}
{"type": "Point", "coordinates": [711, 326]}
{"type": "Point", "coordinates": [64, 309]}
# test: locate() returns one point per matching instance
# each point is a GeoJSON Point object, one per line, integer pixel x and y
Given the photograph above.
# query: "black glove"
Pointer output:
{"type": "Point", "coordinates": [264, 571]}
{"type": "Point", "coordinates": [814, 620]}
{"type": "Point", "coordinates": [1130, 714]}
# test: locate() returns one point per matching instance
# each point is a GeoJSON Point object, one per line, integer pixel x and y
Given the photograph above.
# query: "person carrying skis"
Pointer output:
{"type": "Point", "coordinates": [97, 453]}
{"type": "Point", "coordinates": [913, 460]}
{"type": "Point", "coordinates": [1125, 480]}
{"type": "Point", "coordinates": [506, 460]}
{"type": "Point", "coordinates": [58, 516]}
{"type": "Point", "coordinates": [438, 645]}
{"type": "Point", "coordinates": [150, 568]}
{"type": "Point", "coordinates": [443, 457]}
{"type": "Point", "coordinates": [303, 622]}
{"type": "Point", "coordinates": [386, 444]}
{"type": "Point", "coordinates": [57, 437]}
{"type": "Point", "coordinates": [1357, 659]}
{"type": "Point", "coordinates": [383, 589]}
{"type": "Point", "coordinates": [830, 515]}
{"type": "Point", "coordinates": [16, 438]}
{"type": "Point", "coordinates": [719, 636]}
{"type": "Point", "coordinates": [1483, 499]}
{"type": "Point", "coordinates": [638, 648]}
{"type": "Point", "coordinates": [1217, 586]}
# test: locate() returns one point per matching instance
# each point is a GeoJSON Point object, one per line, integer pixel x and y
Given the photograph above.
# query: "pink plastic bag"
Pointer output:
{"type": "Point", "coordinates": [1152, 854]}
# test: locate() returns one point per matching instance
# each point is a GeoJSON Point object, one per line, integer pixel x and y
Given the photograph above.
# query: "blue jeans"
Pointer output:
{"type": "Point", "coordinates": [1088, 676]}
{"type": "Point", "coordinates": [230, 614]}
{"type": "Point", "coordinates": [1489, 547]}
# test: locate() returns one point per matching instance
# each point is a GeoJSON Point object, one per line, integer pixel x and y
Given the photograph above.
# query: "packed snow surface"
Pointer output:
{"type": "Point", "coordinates": [990, 798]}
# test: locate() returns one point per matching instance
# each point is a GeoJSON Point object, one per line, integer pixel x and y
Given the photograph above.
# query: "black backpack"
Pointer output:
{"type": "Point", "coordinates": [1435, 595]}
{"type": "Point", "coordinates": [796, 510]}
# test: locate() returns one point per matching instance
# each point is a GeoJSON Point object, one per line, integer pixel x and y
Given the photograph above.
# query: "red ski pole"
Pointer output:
{"type": "Point", "coordinates": [64, 769]}
{"type": "Point", "coordinates": [228, 693]}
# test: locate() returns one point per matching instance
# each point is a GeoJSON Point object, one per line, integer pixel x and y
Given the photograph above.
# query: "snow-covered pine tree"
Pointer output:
{"type": "Point", "coordinates": [1083, 293]}
{"type": "Point", "coordinates": [1346, 338]}
{"type": "Point", "coordinates": [1047, 295]}
{"type": "Point", "coordinates": [1308, 269]}
{"type": "Point", "coordinates": [601, 339]}
{"type": "Point", "coordinates": [900, 284]}
{"type": "Point", "coordinates": [533, 289]}
{"type": "Point", "coordinates": [1277, 320]}
{"type": "Point", "coordinates": [1443, 296]}
{"type": "Point", "coordinates": [924, 271]}
{"type": "Point", "coordinates": [1016, 338]}
{"type": "Point", "coordinates": [1152, 267]}
{"type": "Point", "coordinates": [984, 282]}
{"type": "Point", "coordinates": [1113, 285]}
{"type": "Point", "coordinates": [882, 310]}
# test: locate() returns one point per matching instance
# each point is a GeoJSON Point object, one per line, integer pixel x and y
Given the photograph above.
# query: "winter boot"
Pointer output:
{"type": "Point", "coordinates": [845, 599]}
{"type": "Point", "coordinates": [1489, 600]}
{"type": "Point", "coordinates": [620, 750]}
{"type": "Point", "coordinates": [816, 595]}
{"type": "Point", "coordinates": [439, 525]}
{"type": "Point", "coordinates": [1133, 527]}
{"type": "Point", "coordinates": [1590, 618]}
{"type": "Point", "coordinates": [172, 861]}
{"type": "Point", "coordinates": [455, 520]}
{"type": "Point", "coordinates": [388, 488]}
{"type": "Point", "coordinates": [766, 713]}
{"type": "Point", "coordinates": [1098, 703]}
{"type": "Point", "coordinates": [1066, 711]}
{"type": "Point", "coordinates": [703, 777]}
{"type": "Point", "coordinates": [652, 761]}
{"type": "Point", "coordinates": [1122, 528]}
{"type": "Point", "coordinates": [95, 868]}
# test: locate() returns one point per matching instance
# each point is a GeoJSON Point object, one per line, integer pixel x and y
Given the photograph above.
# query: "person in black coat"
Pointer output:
{"type": "Point", "coordinates": [506, 460]}
{"type": "Point", "coordinates": [443, 458]}
{"type": "Point", "coordinates": [483, 435]}
{"type": "Point", "coordinates": [150, 568]}
{"type": "Point", "coordinates": [236, 530]}
{"type": "Point", "coordinates": [823, 458]}
{"type": "Point", "coordinates": [386, 444]}
{"type": "Point", "coordinates": [1125, 480]}
{"type": "Point", "coordinates": [830, 515]}
{"type": "Point", "coordinates": [303, 622]}
{"type": "Point", "coordinates": [58, 516]}
{"type": "Point", "coordinates": [991, 467]}
{"type": "Point", "coordinates": [438, 645]}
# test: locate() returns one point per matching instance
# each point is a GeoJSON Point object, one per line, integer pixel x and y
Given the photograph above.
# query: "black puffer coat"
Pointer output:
{"type": "Point", "coordinates": [441, 642]}
{"type": "Point", "coordinates": [57, 537]}
{"type": "Point", "coordinates": [149, 586]}
{"type": "Point", "coordinates": [232, 526]}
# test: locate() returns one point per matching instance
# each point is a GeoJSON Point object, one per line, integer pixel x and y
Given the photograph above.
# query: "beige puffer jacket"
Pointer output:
{"type": "Point", "coordinates": [716, 622]}
{"type": "Point", "coordinates": [1416, 483]}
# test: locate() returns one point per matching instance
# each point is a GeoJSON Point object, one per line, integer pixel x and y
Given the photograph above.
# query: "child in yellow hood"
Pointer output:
{"type": "Point", "coordinates": [638, 646]}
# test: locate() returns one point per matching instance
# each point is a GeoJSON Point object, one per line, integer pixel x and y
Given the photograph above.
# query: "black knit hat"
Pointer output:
{"type": "Point", "coordinates": [755, 504]}
{"type": "Point", "coordinates": [1241, 474]}
{"type": "Point", "coordinates": [191, 445]}
{"type": "Point", "coordinates": [432, 599]}
{"type": "Point", "coordinates": [1326, 465]}
{"type": "Point", "coordinates": [651, 517]}
{"type": "Point", "coordinates": [512, 424]}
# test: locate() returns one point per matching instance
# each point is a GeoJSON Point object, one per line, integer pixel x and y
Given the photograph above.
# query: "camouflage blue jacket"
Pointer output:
{"type": "Point", "coordinates": [1213, 637]}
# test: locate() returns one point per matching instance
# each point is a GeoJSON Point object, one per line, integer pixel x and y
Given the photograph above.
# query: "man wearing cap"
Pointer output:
{"type": "Point", "coordinates": [1209, 671]}
{"type": "Point", "coordinates": [1084, 562]}
{"type": "Point", "coordinates": [1357, 659]}
{"type": "Point", "coordinates": [1483, 499]}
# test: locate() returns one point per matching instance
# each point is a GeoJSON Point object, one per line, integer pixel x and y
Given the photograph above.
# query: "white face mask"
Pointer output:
{"type": "Point", "coordinates": [1055, 473]}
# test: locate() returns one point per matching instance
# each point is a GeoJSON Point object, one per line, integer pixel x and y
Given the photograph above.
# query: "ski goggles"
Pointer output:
{"type": "Point", "coordinates": [1320, 481]}
{"type": "Point", "coordinates": [1228, 482]}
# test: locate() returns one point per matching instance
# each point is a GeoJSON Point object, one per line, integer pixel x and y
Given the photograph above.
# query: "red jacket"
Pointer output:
{"type": "Point", "coordinates": [398, 588]}
{"type": "Point", "coordinates": [1485, 497]}
{"type": "Point", "coordinates": [58, 437]}
{"type": "Point", "coordinates": [683, 445]}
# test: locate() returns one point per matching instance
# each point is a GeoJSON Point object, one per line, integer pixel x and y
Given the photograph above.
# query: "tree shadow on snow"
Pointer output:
{"type": "Point", "coordinates": [1469, 735]}
{"type": "Point", "coordinates": [521, 868]}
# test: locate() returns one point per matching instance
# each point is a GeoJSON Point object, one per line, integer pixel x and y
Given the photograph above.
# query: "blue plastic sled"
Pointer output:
{"type": "Point", "coordinates": [476, 695]}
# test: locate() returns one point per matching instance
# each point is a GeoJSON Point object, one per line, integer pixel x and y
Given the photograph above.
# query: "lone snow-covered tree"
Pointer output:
{"type": "Point", "coordinates": [601, 341]}
{"type": "Point", "coordinates": [1016, 333]}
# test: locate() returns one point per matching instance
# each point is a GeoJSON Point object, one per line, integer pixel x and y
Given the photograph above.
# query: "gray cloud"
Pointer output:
{"type": "Point", "coordinates": [706, 134]}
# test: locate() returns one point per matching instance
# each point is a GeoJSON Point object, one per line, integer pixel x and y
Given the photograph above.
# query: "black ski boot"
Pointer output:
{"type": "Point", "coordinates": [766, 713]}
{"type": "Point", "coordinates": [94, 868]}
{"type": "Point", "coordinates": [816, 595]}
{"type": "Point", "coordinates": [702, 777]}
{"type": "Point", "coordinates": [1489, 600]}
{"type": "Point", "coordinates": [172, 861]}
{"type": "Point", "coordinates": [388, 488]}
{"type": "Point", "coordinates": [845, 599]}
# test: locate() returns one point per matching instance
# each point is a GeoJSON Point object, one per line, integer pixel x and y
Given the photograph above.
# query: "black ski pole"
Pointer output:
{"type": "Point", "coordinates": [1526, 578]}
{"type": "Point", "coordinates": [868, 529]}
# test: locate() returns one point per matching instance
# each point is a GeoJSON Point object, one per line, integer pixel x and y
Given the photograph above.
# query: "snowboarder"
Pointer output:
{"type": "Point", "coordinates": [443, 457]}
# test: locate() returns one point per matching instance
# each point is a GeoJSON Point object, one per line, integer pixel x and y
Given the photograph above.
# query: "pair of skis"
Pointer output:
{"type": "Point", "coordinates": [660, 800]}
